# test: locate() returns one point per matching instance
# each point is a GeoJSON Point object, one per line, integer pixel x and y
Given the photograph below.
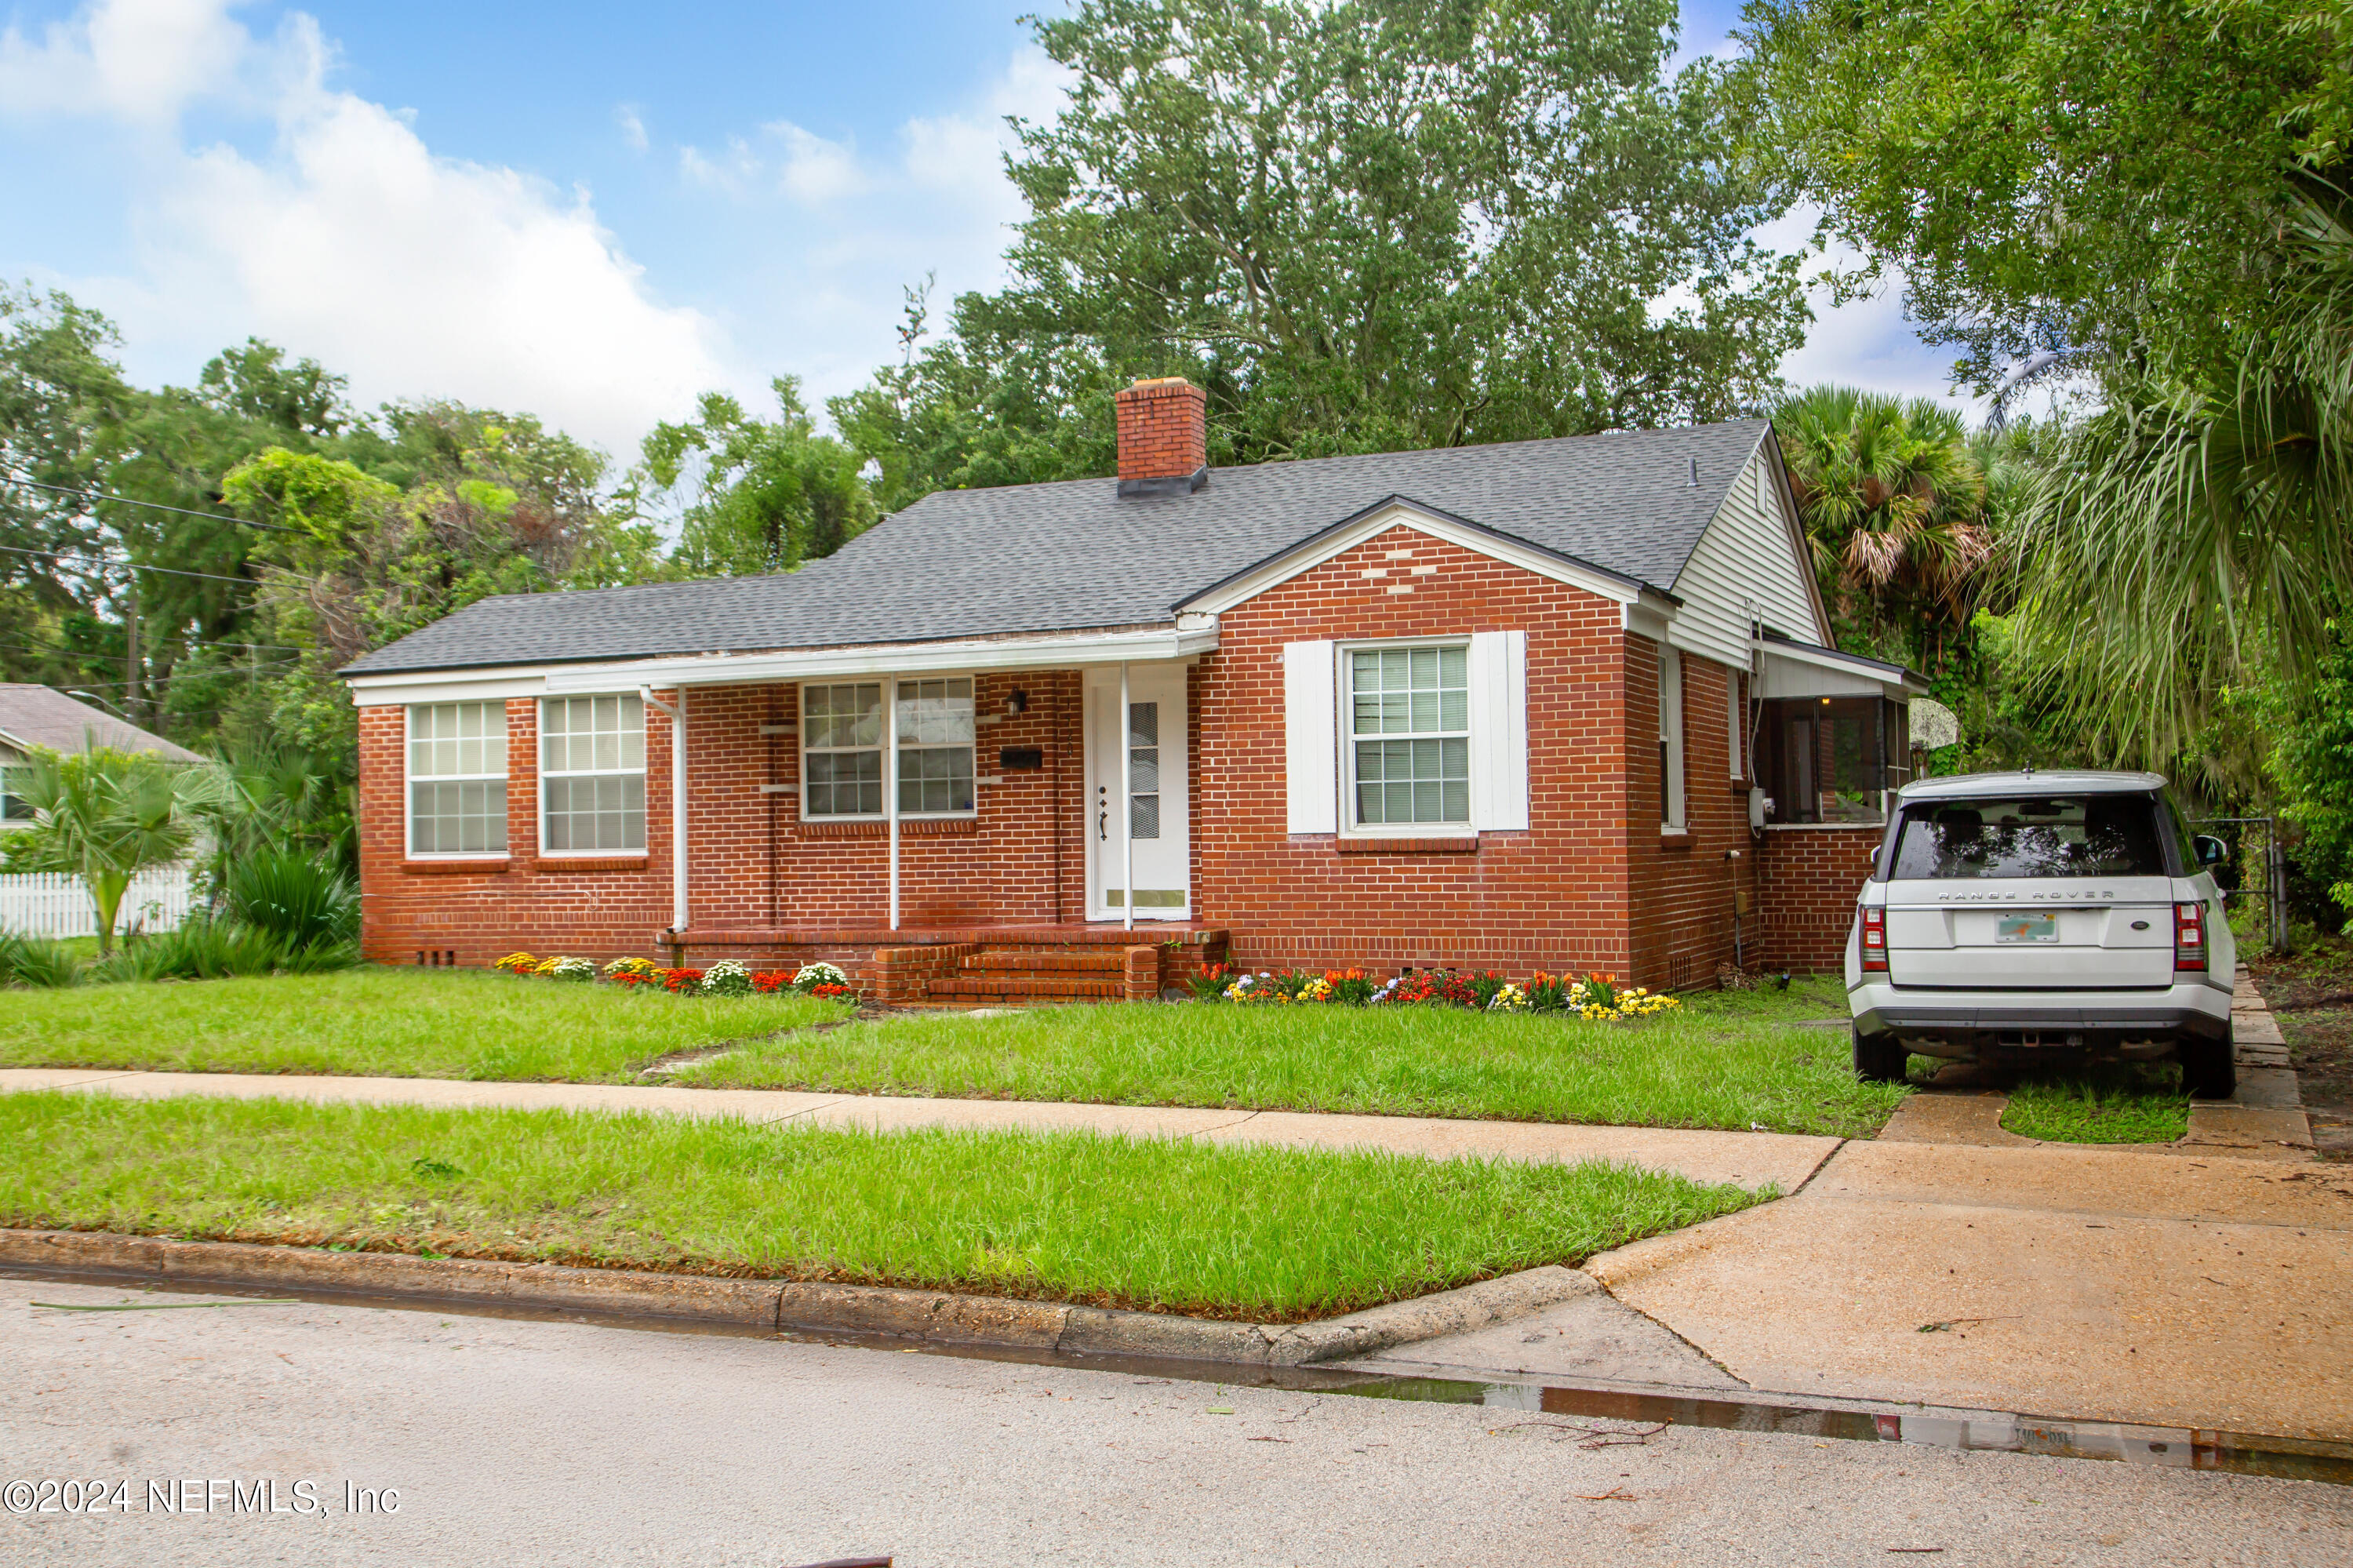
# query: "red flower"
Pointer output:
{"type": "Point", "coordinates": [678, 982]}
{"type": "Point", "coordinates": [831, 992]}
{"type": "Point", "coordinates": [768, 983]}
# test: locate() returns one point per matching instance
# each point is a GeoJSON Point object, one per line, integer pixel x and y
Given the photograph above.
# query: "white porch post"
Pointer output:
{"type": "Point", "coordinates": [1126, 811]}
{"type": "Point", "coordinates": [678, 910]}
{"type": "Point", "coordinates": [891, 784]}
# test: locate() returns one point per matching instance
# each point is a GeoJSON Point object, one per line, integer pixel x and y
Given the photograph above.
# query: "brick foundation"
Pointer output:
{"type": "Point", "coordinates": [1810, 877]}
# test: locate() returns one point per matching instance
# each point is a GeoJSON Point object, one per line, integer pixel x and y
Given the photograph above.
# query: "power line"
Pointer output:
{"type": "Point", "coordinates": [185, 674]}
{"type": "Point", "coordinates": [126, 566]}
{"type": "Point", "coordinates": [192, 645]}
{"type": "Point", "coordinates": [152, 505]}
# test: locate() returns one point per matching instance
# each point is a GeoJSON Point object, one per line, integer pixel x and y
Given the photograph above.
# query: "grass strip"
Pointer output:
{"type": "Point", "coordinates": [2128, 1104]}
{"type": "Point", "coordinates": [1735, 1060]}
{"type": "Point", "coordinates": [396, 1022]}
{"type": "Point", "coordinates": [1251, 1234]}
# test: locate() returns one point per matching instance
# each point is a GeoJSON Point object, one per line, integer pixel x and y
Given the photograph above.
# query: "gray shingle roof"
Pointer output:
{"type": "Point", "coordinates": [38, 715]}
{"type": "Point", "coordinates": [1072, 555]}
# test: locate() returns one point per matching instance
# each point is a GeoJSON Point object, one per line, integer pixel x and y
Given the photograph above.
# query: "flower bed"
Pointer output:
{"type": "Point", "coordinates": [728, 977]}
{"type": "Point", "coordinates": [1595, 998]}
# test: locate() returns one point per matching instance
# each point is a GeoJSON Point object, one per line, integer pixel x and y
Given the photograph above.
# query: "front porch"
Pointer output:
{"type": "Point", "coordinates": [967, 964]}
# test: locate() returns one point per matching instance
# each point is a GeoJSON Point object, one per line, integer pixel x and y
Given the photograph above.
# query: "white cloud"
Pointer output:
{"type": "Point", "coordinates": [349, 240]}
{"type": "Point", "coordinates": [632, 125]}
{"type": "Point", "coordinates": [860, 224]}
{"type": "Point", "coordinates": [139, 61]}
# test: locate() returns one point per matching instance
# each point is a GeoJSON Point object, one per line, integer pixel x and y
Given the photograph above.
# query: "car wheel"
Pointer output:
{"type": "Point", "coordinates": [2210, 1068]}
{"type": "Point", "coordinates": [1879, 1058]}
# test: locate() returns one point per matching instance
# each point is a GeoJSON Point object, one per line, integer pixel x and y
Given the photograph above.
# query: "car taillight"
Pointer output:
{"type": "Point", "coordinates": [1875, 937]}
{"type": "Point", "coordinates": [2190, 937]}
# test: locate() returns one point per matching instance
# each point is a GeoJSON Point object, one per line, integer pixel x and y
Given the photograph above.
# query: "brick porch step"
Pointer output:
{"type": "Point", "coordinates": [1034, 987]}
{"type": "Point", "coordinates": [1069, 961]}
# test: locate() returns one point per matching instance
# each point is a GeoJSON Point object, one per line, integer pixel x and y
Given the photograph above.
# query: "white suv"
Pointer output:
{"type": "Point", "coordinates": [2015, 917]}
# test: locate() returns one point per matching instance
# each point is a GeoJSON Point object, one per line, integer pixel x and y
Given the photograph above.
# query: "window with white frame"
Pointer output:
{"type": "Point", "coordinates": [458, 779]}
{"type": "Point", "coordinates": [1671, 739]}
{"type": "Point", "coordinates": [14, 812]}
{"type": "Point", "coordinates": [842, 750]}
{"type": "Point", "coordinates": [1409, 756]}
{"type": "Point", "coordinates": [592, 775]}
{"type": "Point", "coordinates": [935, 744]}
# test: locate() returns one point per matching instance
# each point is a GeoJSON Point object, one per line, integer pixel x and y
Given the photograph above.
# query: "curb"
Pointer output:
{"type": "Point", "coordinates": [936, 1317]}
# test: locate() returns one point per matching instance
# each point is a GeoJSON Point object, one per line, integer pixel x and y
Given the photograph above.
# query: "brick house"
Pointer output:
{"type": "Point", "coordinates": [1545, 705]}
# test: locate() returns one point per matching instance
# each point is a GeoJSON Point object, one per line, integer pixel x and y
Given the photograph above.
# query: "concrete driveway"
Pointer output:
{"type": "Point", "coordinates": [2146, 1288]}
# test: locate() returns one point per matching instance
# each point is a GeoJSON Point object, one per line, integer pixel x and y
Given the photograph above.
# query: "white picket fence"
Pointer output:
{"type": "Point", "coordinates": [48, 904]}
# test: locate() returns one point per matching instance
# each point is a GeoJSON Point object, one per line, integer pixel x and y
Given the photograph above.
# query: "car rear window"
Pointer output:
{"type": "Point", "coordinates": [2041, 835]}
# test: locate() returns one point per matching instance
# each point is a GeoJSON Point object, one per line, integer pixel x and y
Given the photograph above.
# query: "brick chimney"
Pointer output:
{"type": "Point", "coordinates": [1164, 437]}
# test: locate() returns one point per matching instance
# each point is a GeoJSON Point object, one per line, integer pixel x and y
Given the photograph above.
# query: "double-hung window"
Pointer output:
{"type": "Point", "coordinates": [935, 732]}
{"type": "Point", "coordinates": [841, 750]}
{"type": "Point", "coordinates": [592, 775]}
{"type": "Point", "coordinates": [930, 726]}
{"type": "Point", "coordinates": [1409, 754]}
{"type": "Point", "coordinates": [458, 779]}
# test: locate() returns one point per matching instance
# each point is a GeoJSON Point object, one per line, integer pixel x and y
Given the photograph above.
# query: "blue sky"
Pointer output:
{"type": "Point", "coordinates": [591, 210]}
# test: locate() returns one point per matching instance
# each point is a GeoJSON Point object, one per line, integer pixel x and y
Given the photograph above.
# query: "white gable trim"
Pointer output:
{"type": "Point", "coordinates": [1306, 556]}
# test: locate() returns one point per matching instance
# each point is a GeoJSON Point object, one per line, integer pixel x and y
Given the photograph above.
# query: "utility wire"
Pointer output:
{"type": "Point", "coordinates": [126, 566]}
{"type": "Point", "coordinates": [194, 645]}
{"type": "Point", "coordinates": [152, 505]}
{"type": "Point", "coordinates": [183, 674]}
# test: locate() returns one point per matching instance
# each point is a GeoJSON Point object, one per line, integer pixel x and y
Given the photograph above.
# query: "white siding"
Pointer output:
{"type": "Point", "coordinates": [1744, 568]}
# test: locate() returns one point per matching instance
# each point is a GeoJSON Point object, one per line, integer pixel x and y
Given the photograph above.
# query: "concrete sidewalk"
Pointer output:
{"type": "Point", "coordinates": [1750, 1159]}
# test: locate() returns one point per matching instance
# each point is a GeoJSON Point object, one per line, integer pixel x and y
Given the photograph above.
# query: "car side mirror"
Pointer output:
{"type": "Point", "coordinates": [2211, 851]}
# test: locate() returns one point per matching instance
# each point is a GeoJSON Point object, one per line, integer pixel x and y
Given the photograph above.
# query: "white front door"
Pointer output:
{"type": "Point", "coordinates": [1155, 828]}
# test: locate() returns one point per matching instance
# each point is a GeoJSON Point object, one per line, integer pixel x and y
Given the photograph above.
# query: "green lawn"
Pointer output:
{"type": "Point", "coordinates": [2121, 1105]}
{"type": "Point", "coordinates": [400, 1022]}
{"type": "Point", "coordinates": [1723, 1060]}
{"type": "Point", "coordinates": [1266, 1235]}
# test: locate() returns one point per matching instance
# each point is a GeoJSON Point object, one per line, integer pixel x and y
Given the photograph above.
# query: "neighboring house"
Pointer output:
{"type": "Point", "coordinates": [41, 716]}
{"type": "Point", "coordinates": [1558, 704]}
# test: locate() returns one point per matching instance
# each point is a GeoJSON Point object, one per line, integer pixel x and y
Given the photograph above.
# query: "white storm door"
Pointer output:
{"type": "Point", "coordinates": [1158, 814]}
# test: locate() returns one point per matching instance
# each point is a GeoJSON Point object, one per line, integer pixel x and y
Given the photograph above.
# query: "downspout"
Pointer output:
{"type": "Point", "coordinates": [1126, 809]}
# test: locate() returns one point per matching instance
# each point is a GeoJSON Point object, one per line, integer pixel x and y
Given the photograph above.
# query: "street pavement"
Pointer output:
{"type": "Point", "coordinates": [522, 1442]}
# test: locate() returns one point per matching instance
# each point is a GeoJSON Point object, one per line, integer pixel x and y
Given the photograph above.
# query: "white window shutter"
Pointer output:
{"type": "Point", "coordinates": [1310, 738]}
{"type": "Point", "coordinates": [1499, 731]}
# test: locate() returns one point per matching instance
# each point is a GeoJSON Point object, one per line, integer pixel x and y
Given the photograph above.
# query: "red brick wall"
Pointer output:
{"type": "Point", "coordinates": [1809, 878]}
{"type": "Point", "coordinates": [1164, 429]}
{"type": "Point", "coordinates": [1684, 889]}
{"type": "Point", "coordinates": [1592, 884]}
{"type": "Point", "coordinates": [1555, 896]}
{"type": "Point", "coordinates": [758, 874]}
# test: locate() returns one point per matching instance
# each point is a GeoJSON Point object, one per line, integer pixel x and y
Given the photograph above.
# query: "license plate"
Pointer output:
{"type": "Point", "coordinates": [2027, 928]}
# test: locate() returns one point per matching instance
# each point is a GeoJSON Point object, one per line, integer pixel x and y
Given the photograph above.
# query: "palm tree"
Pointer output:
{"type": "Point", "coordinates": [1893, 499]}
{"type": "Point", "coordinates": [2203, 523]}
{"type": "Point", "coordinates": [105, 815]}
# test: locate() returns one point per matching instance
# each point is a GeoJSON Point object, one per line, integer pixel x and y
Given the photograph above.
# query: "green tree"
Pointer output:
{"type": "Point", "coordinates": [104, 815]}
{"type": "Point", "coordinates": [1364, 225]}
{"type": "Point", "coordinates": [2096, 182]}
{"type": "Point", "coordinates": [1895, 502]}
{"type": "Point", "coordinates": [769, 493]}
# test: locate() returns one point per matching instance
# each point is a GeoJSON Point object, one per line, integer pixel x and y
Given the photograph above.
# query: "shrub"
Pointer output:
{"type": "Point", "coordinates": [213, 950]}
{"type": "Point", "coordinates": [36, 961]}
{"type": "Point", "coordinates": [679, 983]}
{"type": "Point", "coordinates": [811, 976]}
{"type": "Point", "coordinates": [768, 983]}
{"type": "Point", "coordinates": [726, 978]}
{"type": "Point", "coordinates": [1350, 988]}
{"type": "Point", "coordinates": [581, 972]}
{"type": "Point", "coordinates": [305, 902]}
{"type": "Point", "coordinates": [523, 964]}
{"type": "Point", "coordinates": [642, 968]}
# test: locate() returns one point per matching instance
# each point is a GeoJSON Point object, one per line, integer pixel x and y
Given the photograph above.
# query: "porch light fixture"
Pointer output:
{"type": "Point", "coordinates": [1018, 702]}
